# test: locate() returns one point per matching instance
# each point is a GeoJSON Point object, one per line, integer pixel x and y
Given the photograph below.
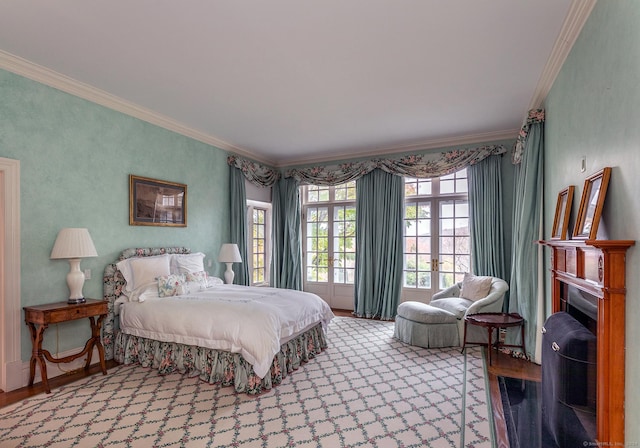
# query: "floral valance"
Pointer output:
{"type": "Point", "coordinates": [256, 173]}
{"type": "Point", "coordinates": [416, 165]}
{"type": "Point", "coordinates": [534, 116]}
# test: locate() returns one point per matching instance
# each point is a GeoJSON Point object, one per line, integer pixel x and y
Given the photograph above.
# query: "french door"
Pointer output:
{"type": "Point", "coordinates": [436, 235]}
{"type": "Point", "coordinates": [329, 247]}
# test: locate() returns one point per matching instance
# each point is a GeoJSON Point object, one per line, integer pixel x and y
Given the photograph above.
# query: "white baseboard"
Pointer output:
{"type": "Point", "coordinates": [54, 370]}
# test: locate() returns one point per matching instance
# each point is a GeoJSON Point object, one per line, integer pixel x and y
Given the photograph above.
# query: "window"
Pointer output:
{"type": "Point", "coordinates": [436, 238]}
{"type": "Point", "coordinates": [259, 244]}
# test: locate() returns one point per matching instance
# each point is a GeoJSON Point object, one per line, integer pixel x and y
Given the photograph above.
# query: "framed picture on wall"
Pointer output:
{"type": "Point", "coordinates": [155, 202]}
{"type": "Point", "coordinates": [563, 210]}
{"type": "Point", "coordinates": [591, 204]}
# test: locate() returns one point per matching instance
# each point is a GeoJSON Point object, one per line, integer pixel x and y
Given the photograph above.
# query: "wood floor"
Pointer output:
{"type": "Point", "coordinates": [502, 365]}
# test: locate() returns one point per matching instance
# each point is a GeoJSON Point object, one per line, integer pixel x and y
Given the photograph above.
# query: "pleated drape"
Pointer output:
{"type": "Point", "coordinates": [286, 260]}
{"type": "Point", "coordinates": [485, 212]}
{"type": "Point", "coordinates": [238, 221]}
{"type": "Point", "coordinates": [526, 292]}
{"type": "Point", "coordinates": [379, 220]}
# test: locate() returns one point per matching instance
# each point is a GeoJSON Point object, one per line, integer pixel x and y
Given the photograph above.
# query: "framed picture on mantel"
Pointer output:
{"type": "Point", "coordinates": [591, 204]}
{"type": "Point", "coordinates": [563, 210]}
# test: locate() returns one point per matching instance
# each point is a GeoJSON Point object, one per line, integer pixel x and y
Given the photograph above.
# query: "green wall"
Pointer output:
{"type": "Point", "coordinates": [593, 110]}
{"type": "Point", "coordinates": [75, 160]}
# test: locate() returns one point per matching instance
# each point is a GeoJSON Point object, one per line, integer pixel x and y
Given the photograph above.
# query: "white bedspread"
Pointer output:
{"type": "Point", "coordinates": [252, 321]}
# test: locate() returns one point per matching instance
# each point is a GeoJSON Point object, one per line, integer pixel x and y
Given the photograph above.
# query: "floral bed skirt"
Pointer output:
{"type": "Point", "coordinates": [214, 366]}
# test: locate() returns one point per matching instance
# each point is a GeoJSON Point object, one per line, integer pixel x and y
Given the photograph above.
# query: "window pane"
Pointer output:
{"type": "Point", "coordinates": [447, 245]}
{"type": "Point", "coordinates": [410, 187]}
{"type": "Point", "coordinates": [447, 186]}
{"type": "Point", "coordinates": [410, 245]}
{"type": "Point", "coordinates": [410, 279]}
{"type": "Point", "coordinates": [424, 187]}
{"type": "Point", "coordinates": [424, 279]}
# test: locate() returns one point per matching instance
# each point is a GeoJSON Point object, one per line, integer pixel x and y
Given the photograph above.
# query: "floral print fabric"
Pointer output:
{"type": "Point", "coordinates": [534, 116]}
{"type": "Point", "coordinates": [214, 366]}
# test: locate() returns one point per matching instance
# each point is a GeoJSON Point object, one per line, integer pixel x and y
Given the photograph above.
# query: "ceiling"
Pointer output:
{"type": "Point", "coordinates": [290, 81]}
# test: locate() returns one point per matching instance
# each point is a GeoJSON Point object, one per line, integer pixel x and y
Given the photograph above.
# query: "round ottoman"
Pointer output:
{"type": "Point", "coordinates": [426, 326]}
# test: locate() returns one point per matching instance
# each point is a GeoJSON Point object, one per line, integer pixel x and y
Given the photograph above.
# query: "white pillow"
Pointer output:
{"type": "Point", "coordinates": [147, 269]}
{"type": "Point", "coordinates": [475, 287]}
{"type": "Point", "coordinates": [144, 292]}
{"type": "Point", "coordinates": [188, 263]}
{"type": "Point", "coordinates": [124, 267]}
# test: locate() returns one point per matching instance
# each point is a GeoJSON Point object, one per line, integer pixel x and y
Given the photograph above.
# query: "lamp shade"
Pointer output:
{"type": "Point", "coordinates": [73, 243]}
{"type": "Point", "coordinates": [229, 253]}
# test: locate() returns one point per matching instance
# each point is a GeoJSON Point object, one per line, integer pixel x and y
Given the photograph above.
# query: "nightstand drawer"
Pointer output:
{"type": "Point", "coordinates": [62, 312]}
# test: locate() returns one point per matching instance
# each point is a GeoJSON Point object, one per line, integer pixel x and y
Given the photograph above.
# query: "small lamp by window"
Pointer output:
{"type": "Point", "coordinates": [229, 254]}
{"type": "Point", "coordinates": [74, 244]}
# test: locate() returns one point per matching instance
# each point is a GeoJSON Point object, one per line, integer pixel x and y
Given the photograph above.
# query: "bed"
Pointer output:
{"type": "Point", "coordinates": [164, 312]}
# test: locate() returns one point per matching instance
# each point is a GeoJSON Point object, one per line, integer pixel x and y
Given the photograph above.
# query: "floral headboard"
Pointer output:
{"type": "Point", "coordinates": [113, 284]}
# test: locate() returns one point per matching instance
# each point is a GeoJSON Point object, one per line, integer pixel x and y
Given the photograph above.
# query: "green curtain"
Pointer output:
{"type": "Point", "coordinates": [527, 225]}
{"type": "Point", "coordinates": [238, 206]}
{"type": "Point", "coordinates": [379, 236]}
{"type": "Point", "coordinates": [286, 260]}
{"type": "Point", "coordinates": [485, 212]}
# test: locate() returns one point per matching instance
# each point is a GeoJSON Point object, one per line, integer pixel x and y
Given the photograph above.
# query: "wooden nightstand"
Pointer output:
{"type": "Point", "coordinates": [38, 319]}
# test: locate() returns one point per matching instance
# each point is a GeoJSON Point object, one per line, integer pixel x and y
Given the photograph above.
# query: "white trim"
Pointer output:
{"type": "Point", "coordinates": [579, 12]}
{"type": "Point", "coordinates": [51, 78]}
{"type": "Point", "coordinates": [10, 353]}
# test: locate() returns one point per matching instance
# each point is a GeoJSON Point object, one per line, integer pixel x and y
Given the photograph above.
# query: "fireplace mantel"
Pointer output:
{"type": "Point", "coordinates": [598, 268]}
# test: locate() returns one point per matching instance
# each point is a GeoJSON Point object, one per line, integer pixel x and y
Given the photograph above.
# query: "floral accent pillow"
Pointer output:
{"type": "Point", "coordinates": [197, 277]}
{"type": "Point", "coordinates": [170, 285]}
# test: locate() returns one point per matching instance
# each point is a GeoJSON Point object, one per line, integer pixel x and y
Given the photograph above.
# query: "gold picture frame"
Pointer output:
{"type": "Point", "coordinates": [563, 211]}
{"type": "Point", "coordinates": [591, 204]}
{"type": "Point", "coordinates": [155, 202]}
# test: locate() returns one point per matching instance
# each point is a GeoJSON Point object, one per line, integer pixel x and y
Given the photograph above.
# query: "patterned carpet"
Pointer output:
{"type": "Point", "coordinates": [366, 390]}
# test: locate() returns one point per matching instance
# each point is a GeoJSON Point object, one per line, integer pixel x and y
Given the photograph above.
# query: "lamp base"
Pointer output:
{"type": "Point", "coordinates": [229, 274]}
{"type": "Point", "coordinates": [76, 301]}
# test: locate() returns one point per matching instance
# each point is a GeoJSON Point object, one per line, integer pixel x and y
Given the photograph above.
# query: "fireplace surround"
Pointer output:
{"type": "Point", "coordinates": [596, 269]}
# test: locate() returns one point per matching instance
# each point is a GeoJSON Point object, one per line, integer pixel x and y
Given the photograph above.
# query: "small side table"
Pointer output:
{"type": "Point", "coordinates": [491, 321]}
{"type": "Point", "coordinates": [38, 319]}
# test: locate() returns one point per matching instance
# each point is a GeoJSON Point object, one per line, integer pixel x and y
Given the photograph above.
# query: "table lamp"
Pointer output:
{"type": "Point", "coordinates": [74, 244]}
{"type": "Point", "coordinates": [229, 254]}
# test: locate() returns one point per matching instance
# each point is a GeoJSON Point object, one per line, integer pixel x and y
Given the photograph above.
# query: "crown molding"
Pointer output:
{"type": "Point", "coordinates": [577, 16]}
{"type": "Point", "coordinates": [508, 134]}
{"type": "Point", "coordinates": [51, 78]}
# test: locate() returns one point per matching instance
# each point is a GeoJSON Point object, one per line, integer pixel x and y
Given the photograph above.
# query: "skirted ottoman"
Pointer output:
{"type": "Point", "coordinates": [426, 326]}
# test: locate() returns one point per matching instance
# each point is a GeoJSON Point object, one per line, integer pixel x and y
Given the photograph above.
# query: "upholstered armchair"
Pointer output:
{"type": "Point", "coordinates": [449, 300]}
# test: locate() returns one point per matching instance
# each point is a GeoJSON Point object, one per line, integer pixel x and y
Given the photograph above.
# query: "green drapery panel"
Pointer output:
{"type": "Point", "coordinates": [527, 225]}
{"type": "Point", "coordinates": [238, 221]}
{"type": "Point", "coordinates": [485, 212]}
{"type": "Point", "coordinates": [379, 236]}
{"type": "Point", "coordinates": [286, 260]}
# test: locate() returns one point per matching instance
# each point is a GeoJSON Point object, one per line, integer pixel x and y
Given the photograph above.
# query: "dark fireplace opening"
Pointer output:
{"type": "Point", "coordinates": [569, 373]}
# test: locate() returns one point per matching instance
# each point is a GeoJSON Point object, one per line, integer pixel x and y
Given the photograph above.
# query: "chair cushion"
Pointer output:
{"type": "Point", "coordinates": [423, 313]}
{"type": "Point", "coordinates": [475, 287]}
{"type": "Point", "coordinates": [455, 305]}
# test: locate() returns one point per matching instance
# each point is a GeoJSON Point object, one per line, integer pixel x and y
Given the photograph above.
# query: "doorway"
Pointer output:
{"type": "Point", "coordinates": [10, 355]}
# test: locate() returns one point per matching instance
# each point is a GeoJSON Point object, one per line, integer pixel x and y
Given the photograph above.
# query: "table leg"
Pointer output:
{"type": "Point", "coordinates": [524, 351]}
{"type": "Point", "coordinates": [95, 341]}
{"type": "Point", "coordinates": [489, 342]}
{"type": "Point", "coordinates": [464, 340]}
{"type": "Point", "coordinates": [37, 356]}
